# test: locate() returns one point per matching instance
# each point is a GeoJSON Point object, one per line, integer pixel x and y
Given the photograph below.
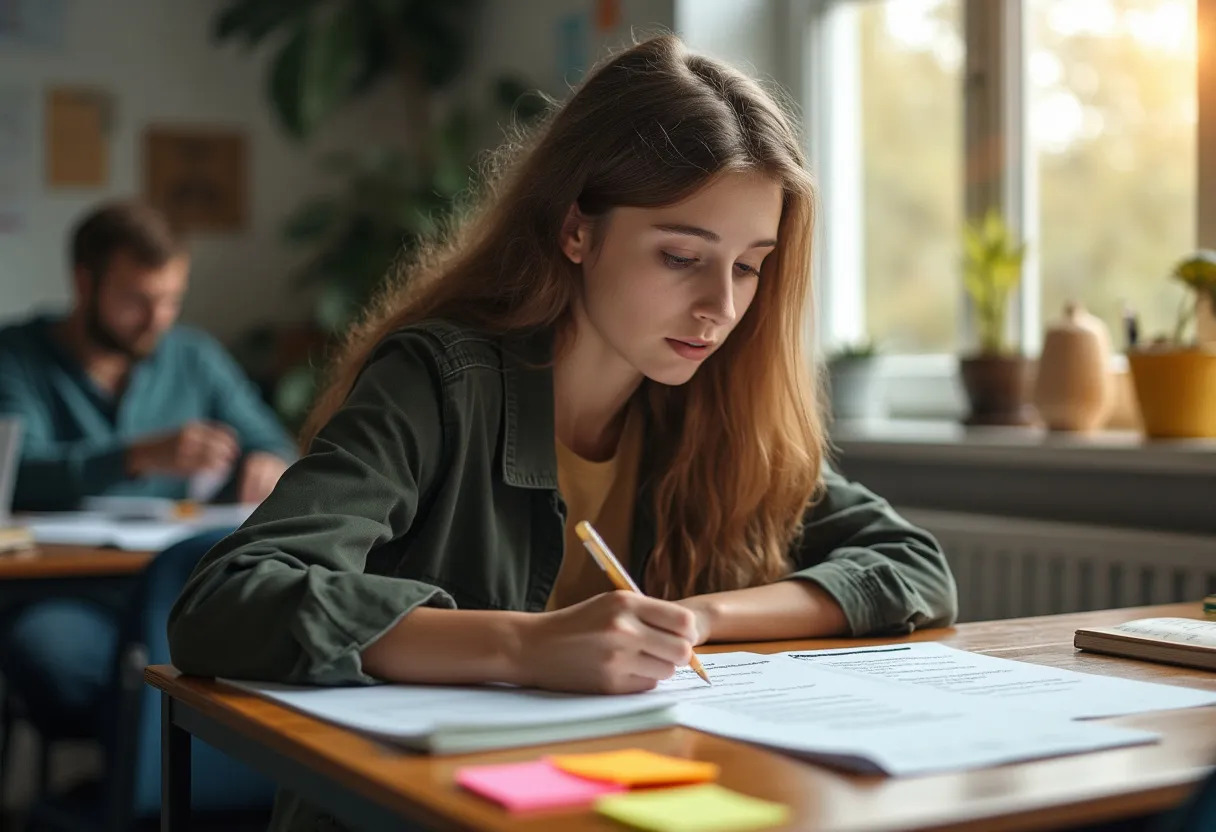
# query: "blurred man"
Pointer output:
{"type": "Point", "coordinates": [116, 398]}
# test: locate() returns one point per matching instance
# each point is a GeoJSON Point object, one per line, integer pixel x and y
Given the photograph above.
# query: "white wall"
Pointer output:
{"type": "Point", "coordinates": [748, 34]}
{"type": "Point", "coordinates": [156, 58]}
{"type": "Point", "coordinates": [522, 37]}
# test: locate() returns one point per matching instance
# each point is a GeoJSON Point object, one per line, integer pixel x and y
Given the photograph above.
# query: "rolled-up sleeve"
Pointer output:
{"type": "Point", "coordinates": [887, 575]}
{"type": "Point", "coordinates": [285, 597]}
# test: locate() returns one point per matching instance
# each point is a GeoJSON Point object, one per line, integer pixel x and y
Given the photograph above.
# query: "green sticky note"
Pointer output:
{"type": "Point", "coordinates": [704, 808]}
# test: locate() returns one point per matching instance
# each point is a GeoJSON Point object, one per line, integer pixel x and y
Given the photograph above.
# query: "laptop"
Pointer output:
{"type": "Point", "coordinates": [10, 450]}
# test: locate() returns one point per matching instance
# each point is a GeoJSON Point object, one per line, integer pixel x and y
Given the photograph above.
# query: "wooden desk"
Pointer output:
{"type": "Point", "coordinates": [51, 561]}
{"type": "Point", "coordinates": [372, 786]}
{"type": "Point", "coordinates": [50, 571]}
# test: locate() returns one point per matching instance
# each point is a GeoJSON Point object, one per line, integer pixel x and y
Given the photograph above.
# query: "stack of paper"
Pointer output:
{"type": "Point", "coordinates": [135, 532]}
{"type": "Point", "coordinates": [904, 709]}
{"type": "Point", "coordinates": [454, 720]}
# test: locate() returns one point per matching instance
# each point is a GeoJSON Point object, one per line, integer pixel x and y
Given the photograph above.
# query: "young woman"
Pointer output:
{"type": "Point", "coordinates": [617, 336]}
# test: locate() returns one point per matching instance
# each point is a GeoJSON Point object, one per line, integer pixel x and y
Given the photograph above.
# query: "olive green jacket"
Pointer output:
{"type": "Point", "coordinates": [436, 483]}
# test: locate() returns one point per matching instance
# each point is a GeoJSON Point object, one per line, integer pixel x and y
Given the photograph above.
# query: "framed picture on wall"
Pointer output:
{"type": "Point", "coordinates": [198, 177]}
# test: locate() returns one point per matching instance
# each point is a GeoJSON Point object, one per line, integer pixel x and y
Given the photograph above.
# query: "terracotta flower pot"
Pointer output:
{"type": "Point", "coordinates": [998, 389]}
{"type": "Point", "coordinates": [1176, 390]}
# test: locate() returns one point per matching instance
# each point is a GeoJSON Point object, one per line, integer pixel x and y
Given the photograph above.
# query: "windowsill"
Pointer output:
{"type": "Point", "coordinates": [949, 442]}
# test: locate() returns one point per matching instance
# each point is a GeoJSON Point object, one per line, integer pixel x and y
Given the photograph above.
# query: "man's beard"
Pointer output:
{"type": "Point", "coordinates": [103, 337]}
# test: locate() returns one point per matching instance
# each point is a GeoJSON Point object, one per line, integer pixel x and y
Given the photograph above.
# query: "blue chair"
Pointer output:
{"type": "Point", "coordinates": [1198, 814]}
{"type": "Point", "coordinates": [56, 660]}
{"type": "Point", "coordinates": [223, 789]}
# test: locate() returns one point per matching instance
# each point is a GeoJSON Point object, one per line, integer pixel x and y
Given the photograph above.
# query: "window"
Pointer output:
{"type": "Point", "coordinates": [1093, 105]}
{"type": "Point", "coordinates": [1113, 123]}
{"type": "Point", "coordinates": [910, 63]}
{"type": "Point", "coordinates": [894, 169]}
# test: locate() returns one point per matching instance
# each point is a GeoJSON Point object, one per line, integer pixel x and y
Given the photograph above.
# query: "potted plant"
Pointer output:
{"type": "Point", "coordinates": [325, 54]}
{"type": "Point", "coordinates": [1175, 376]}
{"type": "Point", "coordinates": [853, 382]}
{"type": "Point", "coordinates": [996, 378]}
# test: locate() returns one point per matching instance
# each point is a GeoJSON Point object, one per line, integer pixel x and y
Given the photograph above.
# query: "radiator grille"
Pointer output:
{"type": "Point", "coordinates": [1011, 567]}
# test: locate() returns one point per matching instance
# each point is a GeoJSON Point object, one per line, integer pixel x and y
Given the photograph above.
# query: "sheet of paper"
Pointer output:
{"type": "Point", "coordinates": [92, 528]}
{"type": "Point", "coordinates": [858, 721]}
{"type": "Point", "coordinates": [636, 767]}
{"type": "Point", "coordinates": [522, 787]}
{"type": "Point", "coordinates": [1181, 630]}
{"type": "Point", "coordinates": [405, 712]}
{"type": "Point", "coordinates": [1046, 690]}
{"type": "Point", "coordinates": [89, 529]}
{"type": "Point", "coordinates": [705, 808]}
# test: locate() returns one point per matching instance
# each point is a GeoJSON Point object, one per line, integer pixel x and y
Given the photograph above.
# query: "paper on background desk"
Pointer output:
{"type": "Point", "coordinates": [90, 528]}
{"type": "Point", "coordinates": [858, 721]}
{"type": "Point", "coordinates": [1047, 690]}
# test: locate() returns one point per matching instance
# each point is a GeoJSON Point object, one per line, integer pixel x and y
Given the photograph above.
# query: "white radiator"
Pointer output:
{"type": "Point", "coordinates": [1011, 567]}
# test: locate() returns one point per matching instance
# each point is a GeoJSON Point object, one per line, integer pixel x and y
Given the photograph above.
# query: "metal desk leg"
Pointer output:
{"type": "Point", "coordinates": [174, 770]}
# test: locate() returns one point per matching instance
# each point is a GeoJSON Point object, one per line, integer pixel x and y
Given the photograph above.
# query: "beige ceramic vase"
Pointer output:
{"type": "Point", "coordinates": [1074, 389]}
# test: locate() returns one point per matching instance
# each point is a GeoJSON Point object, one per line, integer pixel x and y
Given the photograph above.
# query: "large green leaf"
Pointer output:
{"type": "Point", "coordinates": [315, 71]}
{"type": "Point", "coordinates": [294, 394]}
{"type": "Point", "coordinates": [253, 20]}
{"type": "Point", "coordinates": [313, 220]}
{"type": "Point", "coordinates": [286, 78]}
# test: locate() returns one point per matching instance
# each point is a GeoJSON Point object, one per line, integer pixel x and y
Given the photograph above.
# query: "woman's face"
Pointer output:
{"type": "Point", "coordinates": [665, 287]}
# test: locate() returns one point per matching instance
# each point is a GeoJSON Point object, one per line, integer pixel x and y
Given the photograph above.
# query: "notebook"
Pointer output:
{"type": "Point", "coordinates": [10, 449]}
{"type": "Point", "coordinates": [12, 538]}
{"type": "Point", "coordinates": [441, 719]}
{"type": "Point", "coordinates": [1184, 641]}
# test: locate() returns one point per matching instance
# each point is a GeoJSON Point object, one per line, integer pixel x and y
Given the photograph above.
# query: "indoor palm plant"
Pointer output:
{"type": "Point", "coordinates": [996, 377]}
{"type": "Point", "coordinates": [1175, 376]}
{"type": "Point", "coordinates": [324, 54]}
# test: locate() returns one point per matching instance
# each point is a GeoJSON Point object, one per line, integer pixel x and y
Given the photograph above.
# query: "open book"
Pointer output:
{"type": "Point", "coordinates": [1184, 641]}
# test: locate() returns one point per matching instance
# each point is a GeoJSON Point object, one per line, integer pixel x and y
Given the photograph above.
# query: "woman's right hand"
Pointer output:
{"type": "Point", "coordinates": [617, 642]}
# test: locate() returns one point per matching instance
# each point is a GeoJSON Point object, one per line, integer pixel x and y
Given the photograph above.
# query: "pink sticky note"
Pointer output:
{"type": "Point", "coordinates": [536, 785]}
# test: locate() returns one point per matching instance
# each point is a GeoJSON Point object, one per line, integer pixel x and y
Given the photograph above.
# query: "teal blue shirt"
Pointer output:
{"type": "Point", "coordinates": [76, 434]}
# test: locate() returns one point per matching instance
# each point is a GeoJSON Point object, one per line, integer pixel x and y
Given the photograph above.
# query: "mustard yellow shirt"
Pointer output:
{"type": "Point", "coordinates": [602, 493]}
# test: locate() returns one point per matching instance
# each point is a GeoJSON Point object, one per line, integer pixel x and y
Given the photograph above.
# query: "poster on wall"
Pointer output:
{"type": "Point", "coordinates": [77, 137]}
{"type": "Point", "coordinates": [17, 150]}
{"type": "Point", "coordinates": [197, 176]}
{"type": "Point", "coordinates": [573, 33]}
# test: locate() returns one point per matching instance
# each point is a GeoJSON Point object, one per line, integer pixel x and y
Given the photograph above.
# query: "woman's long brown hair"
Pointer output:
{"type": "Point", "coordinates": [740, 445]}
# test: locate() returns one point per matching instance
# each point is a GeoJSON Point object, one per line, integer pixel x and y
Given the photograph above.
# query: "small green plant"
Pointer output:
{"type": "Point", "coordinates": [992, 267]}
{"type": "Point", "coordinates": [863, 348]}
{"type": "Point", "coordinates": [1198, 274]}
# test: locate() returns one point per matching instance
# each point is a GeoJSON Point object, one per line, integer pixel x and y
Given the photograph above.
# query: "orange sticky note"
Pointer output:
{"type": "Point", "coordinates": [635, 767]}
